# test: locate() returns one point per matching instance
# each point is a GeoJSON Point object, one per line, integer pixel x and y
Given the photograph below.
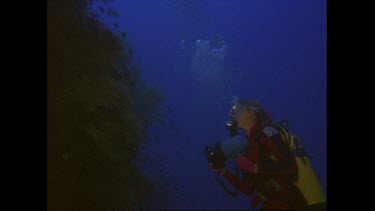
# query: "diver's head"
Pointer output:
{"type": "Point", "coordinates": [246, 113]}
{"type": "Point", "coordinates": [216, 42]}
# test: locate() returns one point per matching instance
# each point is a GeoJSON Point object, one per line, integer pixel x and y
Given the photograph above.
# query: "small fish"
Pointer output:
{"type": "Point", "coordinates": [115, 25]}
{"type": "Point", "coordinates": [131, 52]}
{"type": "Point", "coordinates": [114, 13]}
{"type": "Point", "coordinates": [101, 9]}
{"type": "Point", "coordinates": [108, 13]}
{"type": "Point", "coordinates": [123, 34]}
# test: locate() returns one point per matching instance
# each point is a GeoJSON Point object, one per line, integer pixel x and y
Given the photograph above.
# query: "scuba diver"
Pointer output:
{"type": "Point", "coordinates": [216, 43]}
{"type": "Point", "coordinates": [213, 49]}
{"type": "Point", "coordinates": [271, 171]}
{"type": "Point", "coordinates": [208, 63]}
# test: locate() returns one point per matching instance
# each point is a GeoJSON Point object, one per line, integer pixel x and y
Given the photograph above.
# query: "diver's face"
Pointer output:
{"type": "Point", "coordinates": [242, 118]}
{"type": "Point", "coordinates": [246, 118]}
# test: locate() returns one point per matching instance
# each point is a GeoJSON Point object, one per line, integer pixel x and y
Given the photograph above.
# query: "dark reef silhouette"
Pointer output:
{"type": "Point", "coordinates": [98, 110]}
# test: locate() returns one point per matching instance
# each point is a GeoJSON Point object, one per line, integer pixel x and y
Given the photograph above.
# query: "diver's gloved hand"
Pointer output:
{"type": "Point", "coordinates": [220, 171]}
{"type": "Point", "coordinates": [245, 164]}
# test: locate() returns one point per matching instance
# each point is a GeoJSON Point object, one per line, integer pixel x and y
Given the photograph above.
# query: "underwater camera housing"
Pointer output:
{"type": "Point", "coordinates": [232, 127]}
{"type": "Point", "coordinates": [215, 156]}
{"type": "Point", "coordinates": [229, 148]}
{"type": "Point", "coordinates": [222, 151]}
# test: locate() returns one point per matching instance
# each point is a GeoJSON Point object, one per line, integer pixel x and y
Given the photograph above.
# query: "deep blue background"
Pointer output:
{"type": "Point", "coordinates": [276, 54]}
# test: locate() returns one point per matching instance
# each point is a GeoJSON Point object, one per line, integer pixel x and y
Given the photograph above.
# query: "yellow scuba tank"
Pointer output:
{"type": "Point", "coordinates": [307, 180]}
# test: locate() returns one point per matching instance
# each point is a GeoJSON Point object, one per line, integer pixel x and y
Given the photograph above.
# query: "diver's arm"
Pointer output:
{"type": "Point", "coordinates": [245, 186]}
{"type": "Point", "coordinates": [283, 163]}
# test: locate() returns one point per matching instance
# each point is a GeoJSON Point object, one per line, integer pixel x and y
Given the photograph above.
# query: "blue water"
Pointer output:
{"type": "Point", "coordinates": [276, 53]}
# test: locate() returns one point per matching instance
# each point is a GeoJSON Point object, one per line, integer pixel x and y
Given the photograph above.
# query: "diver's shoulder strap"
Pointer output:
{"type": "Point", "coordinates": [285, 134]}
{"type": "Point", "coordinates": [294, 142]}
